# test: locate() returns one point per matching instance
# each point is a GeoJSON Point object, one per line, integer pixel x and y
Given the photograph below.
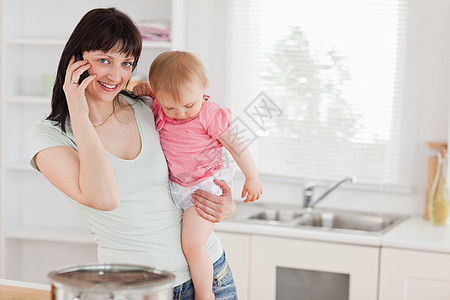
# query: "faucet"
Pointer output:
{"type": "Point", "coordinates": [308, 202]}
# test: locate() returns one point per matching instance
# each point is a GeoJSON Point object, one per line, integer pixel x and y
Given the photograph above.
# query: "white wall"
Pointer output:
{"type": "Point", "coordinates": [206, 24]}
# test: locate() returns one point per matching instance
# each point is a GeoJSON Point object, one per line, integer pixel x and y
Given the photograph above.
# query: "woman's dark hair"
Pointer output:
{"type": "Point", "coordinates": [101, 29]}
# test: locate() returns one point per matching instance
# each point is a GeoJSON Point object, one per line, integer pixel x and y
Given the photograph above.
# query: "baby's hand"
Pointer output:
{"type": "Point", "coordinates": [143, 89]}
{"type": "Point", "coordinates": [253, 189]}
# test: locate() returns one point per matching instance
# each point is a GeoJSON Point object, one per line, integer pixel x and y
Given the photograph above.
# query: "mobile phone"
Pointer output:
{"type": "Point", "coordinates": [85, 74]}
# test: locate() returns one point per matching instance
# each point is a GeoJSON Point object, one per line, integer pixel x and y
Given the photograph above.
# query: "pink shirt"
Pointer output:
{"type": "Point", "coordinates": [192, 150]}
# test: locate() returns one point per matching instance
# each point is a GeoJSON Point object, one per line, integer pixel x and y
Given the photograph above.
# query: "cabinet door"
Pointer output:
{"type": "Point", "coordinates": [414, 275]}
{"type": "Point", "coordinates": [293, 269]}
{"type": "Point", "coordinates": [237, 249]}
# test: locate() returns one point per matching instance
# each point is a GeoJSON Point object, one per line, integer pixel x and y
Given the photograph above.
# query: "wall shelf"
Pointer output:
{"type": "Point", "coordinates": [75, 236]}
{"type": "Point", "coordinates": [61, 42]}
{"type": "Point", "coordinates": [36, 42]}
{"type": "Point", "coordinates": [28, 100]}
{"type": "Point", "coordinates": [21, 167]}
{"type": "Point", "coordinates": [156, 45]}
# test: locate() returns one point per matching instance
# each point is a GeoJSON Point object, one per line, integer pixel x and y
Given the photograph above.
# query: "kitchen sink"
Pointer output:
{"type": "Point", "coordinates": [277, 216]}
{"type": "Point", "coordinates": [349, 221]}
{"type": "Point", "coordinates": [332, 220]}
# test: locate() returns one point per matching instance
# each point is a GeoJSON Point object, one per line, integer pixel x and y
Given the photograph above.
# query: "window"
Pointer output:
{"type": "Point", "coordinates": [341, 79]}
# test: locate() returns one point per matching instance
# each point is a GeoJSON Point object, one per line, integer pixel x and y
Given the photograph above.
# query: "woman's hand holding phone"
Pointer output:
{"type": "Point", "coordinates": [85, 74]}
{"type": "Point", "coordinates": [75, 91]}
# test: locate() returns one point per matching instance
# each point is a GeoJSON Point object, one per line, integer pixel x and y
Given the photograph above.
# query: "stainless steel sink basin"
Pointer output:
{"type": "Point", "coordinates": [349, 221]}
{"type": "Point", "coordinates": [277, 216]}
{"type": "Point", "coordinates": [334, 220]}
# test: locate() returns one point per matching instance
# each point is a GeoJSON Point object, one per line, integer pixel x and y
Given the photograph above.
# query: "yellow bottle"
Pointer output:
{"type": "Point", "coordinates": [439, 205]}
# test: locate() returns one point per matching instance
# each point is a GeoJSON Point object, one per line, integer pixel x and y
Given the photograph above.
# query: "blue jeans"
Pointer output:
{"type": "Point", "coordinates": [223, 284]}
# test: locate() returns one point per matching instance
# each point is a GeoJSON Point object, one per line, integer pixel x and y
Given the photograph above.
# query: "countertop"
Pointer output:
{"type": "Point", "coordinates": [18, 290]}
{"type": "Point", "coordinates": [418, 234]}
{"type": "Point", "coordinates": [413, 233]}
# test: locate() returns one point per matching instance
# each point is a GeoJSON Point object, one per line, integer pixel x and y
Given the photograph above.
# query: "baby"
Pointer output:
{"type": "Point", "coordinates": [192, 131]}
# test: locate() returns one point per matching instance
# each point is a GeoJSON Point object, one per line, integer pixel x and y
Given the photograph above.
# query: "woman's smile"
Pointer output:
{"type": "Point", "coordinates": [108, 87]}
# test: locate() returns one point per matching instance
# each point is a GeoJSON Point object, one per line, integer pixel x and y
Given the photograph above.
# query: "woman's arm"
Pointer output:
{"type": "Point", "coordinates": [86, 176]}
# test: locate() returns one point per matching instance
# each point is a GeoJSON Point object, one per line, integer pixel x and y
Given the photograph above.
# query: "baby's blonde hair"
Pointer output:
{"type": "Point", "coordinates": [172, 69]}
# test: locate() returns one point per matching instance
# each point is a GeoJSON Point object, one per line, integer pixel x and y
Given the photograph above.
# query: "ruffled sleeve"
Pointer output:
{"type": "Point", "coordinates": [159, 115]}
{"type": "Point", "coordinates": [215, 119]}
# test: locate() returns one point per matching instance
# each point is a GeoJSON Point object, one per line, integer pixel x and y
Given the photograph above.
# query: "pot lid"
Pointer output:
{"type": "Point", "coordinates": [107, 277]}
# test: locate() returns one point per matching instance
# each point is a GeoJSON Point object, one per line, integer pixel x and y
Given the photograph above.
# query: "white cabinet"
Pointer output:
{"type": "Point", "coordinates": [35, 217]}
{"type": "Point", "coordinates": [237, 249]}
{"type": "Point", "coordinates": [414, 275]}
{"type": "Point", "coordinates": [274, 261]}
{"type": "Point", "coordinates": [269, 268]}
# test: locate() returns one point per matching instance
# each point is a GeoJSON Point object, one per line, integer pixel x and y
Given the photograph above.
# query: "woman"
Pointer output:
{"type": "Point", "coordinates": [99, 147]}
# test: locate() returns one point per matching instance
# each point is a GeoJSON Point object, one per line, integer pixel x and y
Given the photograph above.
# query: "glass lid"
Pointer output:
{"type": "Point", "coordinates": [111, 277]}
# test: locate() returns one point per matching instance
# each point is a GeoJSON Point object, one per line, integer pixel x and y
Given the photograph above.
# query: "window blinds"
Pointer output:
{"type": "Point", "coordinates": [327, 88]}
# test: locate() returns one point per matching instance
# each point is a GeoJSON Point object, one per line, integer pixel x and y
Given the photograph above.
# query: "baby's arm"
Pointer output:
{"type": "Point", "coordinates": [252, 189]}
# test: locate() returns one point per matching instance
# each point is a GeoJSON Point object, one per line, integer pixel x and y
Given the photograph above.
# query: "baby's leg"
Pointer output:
{"type": "Point", "coordinates": [195, 234]}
